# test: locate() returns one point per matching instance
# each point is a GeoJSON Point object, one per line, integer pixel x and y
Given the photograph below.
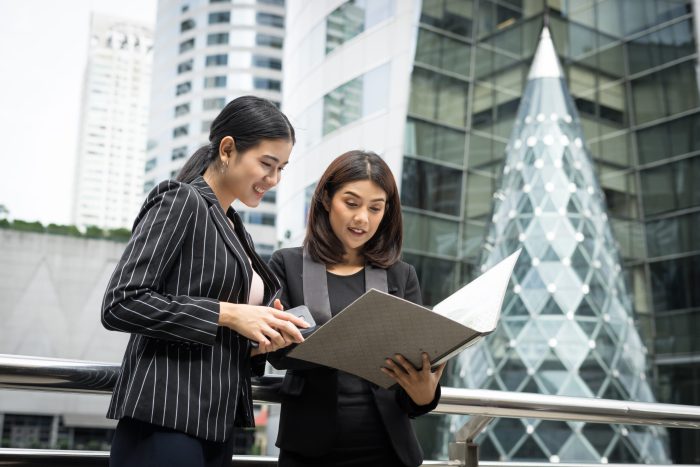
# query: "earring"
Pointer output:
{"type": "Point", "coordinates": [224, 167]}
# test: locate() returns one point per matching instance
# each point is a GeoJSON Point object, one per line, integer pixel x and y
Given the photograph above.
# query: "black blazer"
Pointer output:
{"type": "Point", "coordinates": [180, 369]}
{"type": "Point", "coordinates": [308, 423]}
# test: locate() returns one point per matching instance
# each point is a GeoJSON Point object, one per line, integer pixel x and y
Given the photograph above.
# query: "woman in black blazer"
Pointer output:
{"type": "Point", "coordinates": [194, 295]}
{"type": "Point", "coordinates": [352, 244]}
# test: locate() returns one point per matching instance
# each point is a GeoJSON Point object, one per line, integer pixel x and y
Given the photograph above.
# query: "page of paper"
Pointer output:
{"type": "Point", "coordinates": [477, 305]}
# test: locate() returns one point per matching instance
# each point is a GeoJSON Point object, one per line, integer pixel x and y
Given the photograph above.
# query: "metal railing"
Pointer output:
{"type": "Point", "coordinates": [35, 373]}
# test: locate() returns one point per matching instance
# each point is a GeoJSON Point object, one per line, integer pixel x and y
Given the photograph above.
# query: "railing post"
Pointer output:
{"type": "Point", "coordinates": [464, 449]}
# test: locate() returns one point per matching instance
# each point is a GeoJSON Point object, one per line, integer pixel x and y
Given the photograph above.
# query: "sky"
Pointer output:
{"type": "Point", "coordinates": [43, 53]}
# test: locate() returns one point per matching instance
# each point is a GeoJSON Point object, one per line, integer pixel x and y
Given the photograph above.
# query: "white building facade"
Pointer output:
{"type": "Point", "coordinates": [207, 53]}
{"type": "Point", "coordinates": [346, 86]}
{"type": "Point", "coordinates": [114, 118]}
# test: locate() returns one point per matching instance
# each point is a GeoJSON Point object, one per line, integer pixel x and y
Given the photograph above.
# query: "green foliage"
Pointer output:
{"type": "Point", "coordinates": [25, 226]}
{"type": "Point", "coordinates": [117, 235]}
{"type": "Point", "coordinates": [58, 229]}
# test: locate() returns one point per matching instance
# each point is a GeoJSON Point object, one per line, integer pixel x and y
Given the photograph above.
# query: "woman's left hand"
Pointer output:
{"type": "Point", "coordinates": [419, 384]}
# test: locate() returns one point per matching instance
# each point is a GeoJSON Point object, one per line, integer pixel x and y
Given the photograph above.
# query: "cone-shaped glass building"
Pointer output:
{"type": "Point", "coordinates": [567, 326]}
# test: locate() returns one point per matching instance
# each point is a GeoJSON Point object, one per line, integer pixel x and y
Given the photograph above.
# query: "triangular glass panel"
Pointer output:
{"type": "Point", "coordinates": [529, 450]}
{"type": "Point", "coordinates": [553, 434]}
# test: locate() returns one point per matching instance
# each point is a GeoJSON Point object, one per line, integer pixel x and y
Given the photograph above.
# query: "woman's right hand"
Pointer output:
{"type": "Point", "coordinates": [271, 328]}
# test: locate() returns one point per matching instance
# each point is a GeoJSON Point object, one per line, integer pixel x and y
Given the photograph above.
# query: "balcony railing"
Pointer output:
{"type": "Point", "coordinates": [33, 373]}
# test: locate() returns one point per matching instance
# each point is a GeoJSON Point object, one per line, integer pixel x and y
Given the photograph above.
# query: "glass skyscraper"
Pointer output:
{"type": "Point", "coordinates": [457, 70]}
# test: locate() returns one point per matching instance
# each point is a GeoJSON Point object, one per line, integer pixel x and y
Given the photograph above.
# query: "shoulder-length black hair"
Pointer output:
{"type": "Point", "coordinates": [248, 120]}
{"type": "Point", "coordinates": [384, 248]}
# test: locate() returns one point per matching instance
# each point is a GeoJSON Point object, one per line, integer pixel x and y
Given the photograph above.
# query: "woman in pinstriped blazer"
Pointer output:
{"type": "Point", "coordinates": [194, 295]}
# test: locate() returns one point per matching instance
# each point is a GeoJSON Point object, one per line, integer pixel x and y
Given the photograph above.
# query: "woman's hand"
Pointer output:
{"type": "Point", "coordinates": [419, 384]}
{"type": "Point", "coordinates": [271, 328]}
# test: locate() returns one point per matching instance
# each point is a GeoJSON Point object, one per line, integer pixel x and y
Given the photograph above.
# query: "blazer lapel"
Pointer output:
{"type": "Point", "coordinates": [315, 285]}
{"type": "Point", "coordinates": [224, 227]}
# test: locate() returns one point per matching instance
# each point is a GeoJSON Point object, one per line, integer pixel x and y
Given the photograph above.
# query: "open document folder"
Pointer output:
{"type": "Point", "coordinates": [378, 325]}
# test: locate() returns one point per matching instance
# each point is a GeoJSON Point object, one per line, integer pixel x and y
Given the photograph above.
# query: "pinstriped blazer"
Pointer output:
{"type": "Point", "coordinates": [180, 369]}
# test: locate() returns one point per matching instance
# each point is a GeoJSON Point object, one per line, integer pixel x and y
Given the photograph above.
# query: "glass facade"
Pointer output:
{"type": "Point", "coordinates": [630, 66]}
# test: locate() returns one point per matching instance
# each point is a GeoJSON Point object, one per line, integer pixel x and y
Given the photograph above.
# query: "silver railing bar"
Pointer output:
{"type": "Point", "coordinates": [21, 372]}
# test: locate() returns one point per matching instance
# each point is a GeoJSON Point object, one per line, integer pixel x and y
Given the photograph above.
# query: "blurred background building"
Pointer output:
{"type": "Point", "coordinates": [113, 121]}
{"type": "Point", "coordinates": [207, 53]}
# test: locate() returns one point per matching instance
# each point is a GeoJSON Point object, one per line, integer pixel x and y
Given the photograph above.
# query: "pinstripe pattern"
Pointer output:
{"type": "Point", "coordinates": [180, 369]}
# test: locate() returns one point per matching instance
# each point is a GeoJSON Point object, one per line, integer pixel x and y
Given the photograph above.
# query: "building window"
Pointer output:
{"type": "Point", "coordinates": [184, 67]}
{"type": "Point", "coordinates": [271, 2]}
{"type": "Point", "coordinates": [214, 82]}
{"type": "Point", "coordinates": [217, 38]}
{"type": "Point", "coordinates": [355, 99]}
{"type": "Point", "coordinates": [431, 187]}
{"type": "Point", "coordinates": [150, 164]}
{"type": "Point", "coordinates": [354, 17]}
{"type": "Point", "coordinates": [186, 45]}
{"type": "Point", "coordinates": [267, 19]}
{"type": "Point", "coordinates": [183, 88]}
{"type": "Point", "coordinates": [217, 60]}
{"type": "Point", "coordinates": [265, 83]}
{"type": "Point", "coordinates": [213, 103]}
{"type": "Point", "coordinates": [178, 153]}
{"type": "Point", "coordinates": [261, 61]}
{"type": "Point", "coordinates": [260, 218]}
{"type": "Point", "coordinates": [187, 25]}
{"type": "Point", "coordinates": [182, 109]}
{"type": "Point", "coordinates": [181, 130]}
{"type": "Point", "coordinates": [266, 40]}
{"type": "Point", "coordinates": [270, 196]}
{"type": "Point", "coordinates": [220, 17]}
{"type": "Point", "coordinates": [148, 185]}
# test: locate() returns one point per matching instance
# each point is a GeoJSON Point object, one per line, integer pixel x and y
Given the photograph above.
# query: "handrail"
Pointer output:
{"type": "Point", "coordinates": [35, 373]}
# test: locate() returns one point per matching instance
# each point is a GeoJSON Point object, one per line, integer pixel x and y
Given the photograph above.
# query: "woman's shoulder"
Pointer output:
{"type": "Point", "coordinates": [288, 254]}
{"type": "Point", "coordinates": [400, 268]}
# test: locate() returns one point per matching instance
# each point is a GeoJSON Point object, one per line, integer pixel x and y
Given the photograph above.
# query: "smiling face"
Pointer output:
{"type": "Point", "coordinates": [355, 212]}
{"type": "Point", "coordinates": [250, 174]}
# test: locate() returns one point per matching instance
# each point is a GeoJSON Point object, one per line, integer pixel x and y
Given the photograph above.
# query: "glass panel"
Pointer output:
{"type": "Point", "coordinates": [431, 187]}
{"type": "Point", "coordinates": [674, 284]}
{"type": "Point", "coordinates": [455, 16]}
{"type": "Point", "coordinates": [673, 235]}
{"type": "Point", "coordinates": [640, 14]}
{"type": "Point", "coordinates": [352, 18]}
{"type": "Point", "coordinates": [480, 188]}
{"type": "Point", "coordinates": [434, 142]}
{"type": "Point", "coordinates": [430, 234]}
{"type": "Point", "coordinates": [436, 276]}
{"type": "Point", "coordinates": [666, 92]}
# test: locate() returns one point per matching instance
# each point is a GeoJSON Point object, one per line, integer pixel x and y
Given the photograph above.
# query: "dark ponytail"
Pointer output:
{"type": "Point", "coordinates": [248, 120]}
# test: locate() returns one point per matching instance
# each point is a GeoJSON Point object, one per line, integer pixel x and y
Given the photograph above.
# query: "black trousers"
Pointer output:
{"type": "Point", "coordinates": [141, 444]}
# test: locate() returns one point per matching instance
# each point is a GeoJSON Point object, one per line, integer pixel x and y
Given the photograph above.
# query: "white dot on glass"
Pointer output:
{"type": "Point", "coordinates": [553, 117]}
{"type": "Point", "coordinates": [511, 213]}
{"type": "Point", "coordinates": [540, 117]}
{"type": "Point", "coordinates": [642, 376]}
{"type": "Point", "coordinates": [549, 187]}
{"type": "Point", "coordinates": [522, 237]}
{"type": "Point", "coordinates": [567, 118]}
{"type": "Point", "coordinates": [558, 163]}
{"type": "Point", "coordinates": [506, 169]}
{"type": "Point", "coordinates": [519, 166]}
{"type": "Point", "coordinates": [530, 371]}
{"type": "Point", "coordinates": [585, 289]}
{"type": "Point", "coordinates": [489, 371]}
{"type": "Point", "coordinates": [590, 190]}
{"type": "Point", "coordinates": [483, 268]}
{"type": "Point", "coordinates": [570, 315]}
{"type": "Point", "coordinates": [550, 236]}
{"type": "Point", "coordinates": [531, 141]}
{"type": "Point", "coordinates": [535, 261]}
{"type": "Point", "coordinates": [624, 431]}
{"type": "Point", "coordinates": [552, 342]}
{"type": "Point", "coordinates": [530, 429]}
{"type": "Point", "coordinates": [548, 140]}
{"type": "Point", "coordinates": [603, 460]}
{"type": "Point", "coordinates": [564, 140]}
{"type": "Point", "coordinates": [591, 344]}
{"type": "Point", "coordinates": [618, 267]}
{"type": "Point", "coordinates": [517, 143]}
{"type": "Point", "coordinates": [528, 119]}
{"type": "Point", "coordinates": [551, 288]}
{"type": "Point", "coordinates": [538, 211]}
{"type": "Point", "coordinates": [596, 264]}
{"type": "Point", "coordinates": [566, 261]}
{"type": "Point", "coordinates": [511, 343]}
{"type": "Point", "coordinates": [587, 212]}
{"type": "Point", "coordinates": [572, 188]}
{"type": "Point", "coordinates": [517, 289]}
{"type": "Point", "coordinates": [616, 373]}
{"type": "Point", "coordinates": [539, 163]}
{"type": "Point", "coordinates": [578, 142]}
{"type": "Point", "coordinates": [526, 188]}
{"type": "Point", "coordinates": [562, 211]}
{"type": "Point", "coordinates": [606, 317]}
{"type": "Point", "coordinates": [579, 237]}
{"type": "Point", "coordinates": [577, 165]}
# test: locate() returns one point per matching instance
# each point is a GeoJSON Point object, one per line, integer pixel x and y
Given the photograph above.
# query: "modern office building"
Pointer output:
{"type": "Point", "coordinates": [114, 116]}
{"type": "Point", "coordinates": [434, 86]}
{"type": "Point", "coordinates": [206, 53]}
